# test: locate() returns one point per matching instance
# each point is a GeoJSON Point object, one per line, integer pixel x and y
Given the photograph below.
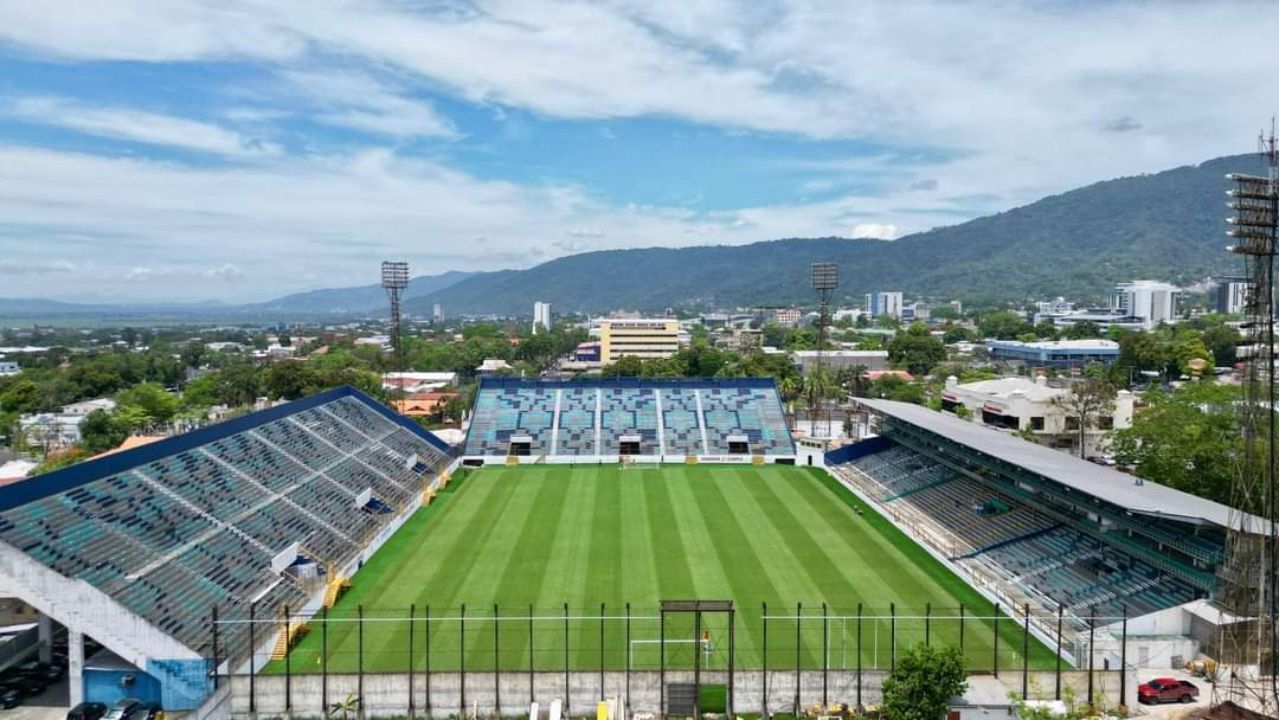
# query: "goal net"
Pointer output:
{"type": "Point", "coordinates": [630, 462]}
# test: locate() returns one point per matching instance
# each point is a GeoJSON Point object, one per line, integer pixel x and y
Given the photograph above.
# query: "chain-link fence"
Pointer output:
{"type": "Point", "coordinates": [778, 654]}
{"type": "Point", "coordinates": [621, 637]}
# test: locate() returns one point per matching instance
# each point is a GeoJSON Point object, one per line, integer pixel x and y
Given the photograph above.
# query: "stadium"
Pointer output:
{"type": "Point", "coordinates": [661, 545]}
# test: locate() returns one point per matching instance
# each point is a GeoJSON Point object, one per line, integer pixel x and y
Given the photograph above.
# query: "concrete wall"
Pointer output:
{"type": "Point", "coordinates": [387, 694]}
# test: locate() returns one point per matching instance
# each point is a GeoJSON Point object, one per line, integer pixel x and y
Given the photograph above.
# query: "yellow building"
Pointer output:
{"type": "Point", "coordinates": [641, 337]}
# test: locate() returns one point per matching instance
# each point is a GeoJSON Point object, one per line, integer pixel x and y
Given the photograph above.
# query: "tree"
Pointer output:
{"type": "Point", "coordinates": [1002, 325]}
{"type": "Point", "coordinates": [151, 399]}
{"type": "Point", "coordinates": [1185, 438]}
{"type": "Point", "coordinates": [100, 432]}
{"type": "Point", "coordinates": [955, 334]}
{"type": "Point", "coordinates": [923, 681]}
{"type": "Point", "coordinates": [916, 350]}
{"type": "Point", "coordinates": [1087, 401]}
{"type": "Point", "coordinates": [1046, 330]}
{"type": "Point", "coordinates": [1084, 330]}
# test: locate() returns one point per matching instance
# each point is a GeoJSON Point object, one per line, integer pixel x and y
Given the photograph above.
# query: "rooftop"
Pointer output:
{"type": "Point", "coordinates": [1117, 488]}
{"type": "Point", "coordinates": [1091, 344]}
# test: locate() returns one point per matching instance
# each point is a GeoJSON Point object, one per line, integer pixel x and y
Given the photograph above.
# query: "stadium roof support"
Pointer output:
{"type": "Point", "coordinates": [1117, 488]}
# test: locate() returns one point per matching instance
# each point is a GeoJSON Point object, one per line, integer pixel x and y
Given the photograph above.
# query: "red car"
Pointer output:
{"type": "Point", "coordinates": [1163, 690]}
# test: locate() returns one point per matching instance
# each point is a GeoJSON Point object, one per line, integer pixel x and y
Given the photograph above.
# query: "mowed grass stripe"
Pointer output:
{"type": "Point", "coordinates": [547, 535]}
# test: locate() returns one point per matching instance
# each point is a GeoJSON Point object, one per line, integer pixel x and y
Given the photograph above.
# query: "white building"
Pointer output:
{"type": "Point", "coordinates": [85, 407]}
{"type": "Point", "coordinates": [1020, 404]}
{"type": "Point", "coordinates": [8, 367]}
{"type": "Point", "coordinates": [541, 316]}
{"type": "Point", "coordinates": [1154, 302]}
{"type": "Point", "coordinates": [1228, 295]}
{"type": "Point", "coordinates": [437, 313]}
{"type": "Point", "coordinates": [1057, 306]}
{"type": "Point", "coordinates": [884, 303]}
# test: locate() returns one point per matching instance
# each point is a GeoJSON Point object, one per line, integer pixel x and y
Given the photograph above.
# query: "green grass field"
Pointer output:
{"type": "Point", "coordinates": [531, 539]}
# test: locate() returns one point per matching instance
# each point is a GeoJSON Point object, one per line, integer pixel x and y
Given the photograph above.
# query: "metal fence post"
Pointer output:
{"type": "Point", "coordinates": [626, 701]}
{"type": "Point", "coordinates": [1026, 645]}
{"type": "Point", "coordinates": [1093, 617]}
{"type": "Point", "coordinates": [825, 622]}
{"type": "Point", "coordinates": [893, 637]}
{"type": "Point", "coordinates": [462, 660]}
{"type": "Point", "coordinates": [497, 692]}
{"type": "Point", "coordinates": [1124, 650]}
{"type": "Point", "coordinates": [729, 705]}
{"type": "Point", "coordinates": [426, 674]}
{"type": "Point", "coordinates": [995, 639]}
{"type": "Point", "coordinates": [214, 612]}
{"type": "Point", "coordinates": [324, 661]}
{"type": "Point", "coordinates": [799, 609]}
{"type": "Point", "coordinates": [601, 650]}
{"type": "Point", "coordinates": [928, 610]}
{"type": "Point", "coordinates": [288, 670]}
{"type": "Point", "coordinates": [566, 659]}
{"type": "Point", "coordinates": [662, 661]}
{"type": "Point", "coordinates": [253, 658]}
{"type": "Point", "coordinates": [764, 660]}
{"type": "Point", "coordinates": [530, 653]}
{"type": "Point", "coordinates": [859, 654]}
{"type": "Point", "coordinates": [697, 663]}
{"type": "Point", "coordinates": [411, 707]}
{"type": "Point", "coordinates": [360, 659]}
{"type": "Point", "coordinates": [1057, 663]}
{"type": "Point", "coordinates": [966, 659]}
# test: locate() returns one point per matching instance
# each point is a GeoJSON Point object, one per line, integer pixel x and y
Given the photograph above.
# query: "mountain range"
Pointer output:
{"type": "Point", "coordinates": [1166, 226]}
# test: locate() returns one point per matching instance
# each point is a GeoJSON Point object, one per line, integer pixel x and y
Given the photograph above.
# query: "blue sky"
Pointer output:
{"type": "Point", "coordinates": [189, 150]}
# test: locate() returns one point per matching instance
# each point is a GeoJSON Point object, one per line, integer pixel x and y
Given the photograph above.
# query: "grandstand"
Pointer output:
{"type": "Point", "coordinates": [1034, 526]}
{"type": "Point", "coordinates": [654, 419]}
{"type": "Point", "coordinates": [138, 548]}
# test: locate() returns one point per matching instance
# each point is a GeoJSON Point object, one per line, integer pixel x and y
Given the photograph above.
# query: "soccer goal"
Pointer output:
{"type": "Point", "coordinates": [631, 462]}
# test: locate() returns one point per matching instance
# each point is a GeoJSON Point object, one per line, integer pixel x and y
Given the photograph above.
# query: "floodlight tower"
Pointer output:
{"type": "Point", "coordinates": [395, 278]}
{"type": "Point", "coordinates": [825, 277]}
{"type": "Point", "coordinates": [1248, 572]}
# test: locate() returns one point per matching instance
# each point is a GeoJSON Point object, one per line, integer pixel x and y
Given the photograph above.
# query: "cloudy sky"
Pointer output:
{"type": "Point", "coordinates": [237, 150]}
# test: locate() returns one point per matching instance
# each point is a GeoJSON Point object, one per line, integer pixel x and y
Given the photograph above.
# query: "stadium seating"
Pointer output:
{"type": "Point", "coordinates": [589, 418]}
{"type": "Point", "coordinates": [1048, 563]}
{"type": "Point", "coordinates": [182, 531]}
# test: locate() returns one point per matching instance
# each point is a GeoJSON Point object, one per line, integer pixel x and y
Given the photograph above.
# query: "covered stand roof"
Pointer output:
{"type": "Point", "coordinates": [1117, 488]}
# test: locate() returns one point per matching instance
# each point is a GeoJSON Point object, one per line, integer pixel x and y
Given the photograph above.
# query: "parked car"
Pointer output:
{"type": "Point", "coordinates": [87, 711]}
{"type": "Point", "coordinates": [10, 697]}
{"type": "Point", "coordinates": [49, 672]}
{"type": "Point", "coordinates": [123, 709]}
{"type": "Point", "coordinates": [1163, 690]}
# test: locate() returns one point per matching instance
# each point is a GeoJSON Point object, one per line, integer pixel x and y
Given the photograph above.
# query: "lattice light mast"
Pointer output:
{"type": "Point", "coordinates": [825, 277]}
{"type": "Point", "coordinates": [1248, 649]}
{"type": "Point", "coordinates": [395, 278]}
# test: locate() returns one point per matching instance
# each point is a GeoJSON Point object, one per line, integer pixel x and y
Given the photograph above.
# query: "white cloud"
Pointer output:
{"type": "Point", "coordinates": [225, 271]}
{"type": "Point", "coordinates": [361, 102]}
{"type": "Point", "coordinates": [35, 267]}
{"type": "Point", "coordinates": [191, 229]}
{"type": "Point", "coordinates": [138, 126]}
{"type": "Point", "coordinates": [876, 231]}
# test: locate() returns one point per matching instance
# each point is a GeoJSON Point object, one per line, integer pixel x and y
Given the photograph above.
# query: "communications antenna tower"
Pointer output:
{"type": "Point", "coordinates": [1247, 647]}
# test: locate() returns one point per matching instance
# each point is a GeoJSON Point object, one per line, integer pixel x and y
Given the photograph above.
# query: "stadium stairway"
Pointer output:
{"type": "Point", "coordinates": [286, 637]}
{"type": "Point", "coordinates": [334, 590]}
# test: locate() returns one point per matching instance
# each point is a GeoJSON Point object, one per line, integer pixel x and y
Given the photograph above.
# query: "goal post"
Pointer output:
{"type": "Point", "coordinates": [631, 462]}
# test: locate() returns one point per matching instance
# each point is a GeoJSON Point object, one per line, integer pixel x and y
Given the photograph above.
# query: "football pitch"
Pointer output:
{"type": "Point", "coordinates": [550, 566]}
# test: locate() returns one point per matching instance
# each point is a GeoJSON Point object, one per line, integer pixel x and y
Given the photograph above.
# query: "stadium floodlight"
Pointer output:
{"type": "Point", "coordinates": [395, 278]}
{"type": "Point", "coordinates": [826, 276]}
